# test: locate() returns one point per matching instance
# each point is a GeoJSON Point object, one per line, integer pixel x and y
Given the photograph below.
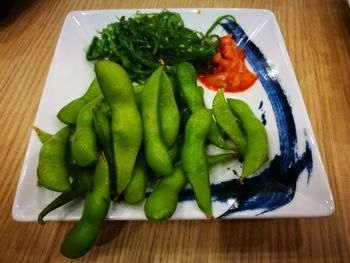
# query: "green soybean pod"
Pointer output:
{"type": "Point", "coordinates": [135, 192]}
{"type": "Point", "coordinates": [102, 128]}
{"type": "Point", "coordinates": [174, 152]}
{"type": "Point", "coordinates": [138, 91]}
{"type": "Point", "coordinates": [176, 91]}
{"type": "Point", "coordinates": [126, 121]}
{"type": "Point", "coordinates": [162, 202]}
{"type": "Point", "coordinates": [169, 114]}
{"type": "Point", "coordinates": [84, 143]}
{"type": "Point", "coordinates": [256, 153]}
{"type": "Point", "coordinates": [194, 159]}
{"type": "Point", "coordinates": [106, 109]}
{"type": "Point", "coordinates": [52, 171]}
{"type": "Point", "coordinates": [213, 160]}
{"type": "Point", "coordinates": [228, 122]}
{"type": "Point", "coordinates": [187, 79]}
{"type": "Point", "coordinates": [83, 235]}
{"type": "Point", "coordinates": [69, 113]}
{"type": "Point", "coordinates": [157, 155]}
{"type": "Point", "coordinates": [82, 180]}
{"type": "Point", "coordinates": [42, 135]}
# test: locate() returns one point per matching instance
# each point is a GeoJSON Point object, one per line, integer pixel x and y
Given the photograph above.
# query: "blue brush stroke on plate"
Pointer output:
{"type": "Point", "coordinates": [275, 186]}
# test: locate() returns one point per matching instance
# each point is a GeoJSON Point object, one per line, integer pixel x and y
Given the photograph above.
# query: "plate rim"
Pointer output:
{"type": "Point", "coordinates": [331, 208]}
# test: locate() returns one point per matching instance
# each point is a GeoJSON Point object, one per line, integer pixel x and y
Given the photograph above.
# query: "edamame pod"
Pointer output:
{"type": "Point", "coordinates": [69, 113]}
{"type": "Point", "coordinates": [135, 192]}
{"type": "Point", "coordinates": [228, 122]}
{"type": "Point", "coordinates": [176, 91]}
{"type": "Point", "coordinates": [215, 136]}
{"type": "Point", "coordinates": [126, 122]}
{"type": "Point", "coordinates": [169, 114]}
{"type": "Point", "coordinates": [52, 169]}
{"type": "Point", "coordinates": [103, 130]}
{"type": "Point", "coordinates": [42, 135]}
{"type": "Point", "coordinates": [213, 160]}
{"type": "Point", "coordinates": [138, 91]}
{"type": "Point", "coordinates": [174, 152]}
{"type": "Point", "coordinates": [187, 79]}
{"type": "Point", "coordinates": [84, 143]}
{"type": "Point", "coordinates": [157, 155]}
{"type": "Point", "coordinates": [162, 202]}
{"type": "Point", "coordinates": [194, 160]}
{"type": "Point", "coordinates": [256, 153]}
{"type": "Point", "coordinates": [82, 180]}
{"type": "Point", "coordinates": [106, 109]}
{"type": "Point", "coordinates": [83, 235]}
{"type": "Point", "coordinates": [102, 127]}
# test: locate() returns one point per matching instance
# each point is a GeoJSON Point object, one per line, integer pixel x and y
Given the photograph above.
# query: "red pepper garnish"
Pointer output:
{"type": "Point", "coordinates": [230, 71]}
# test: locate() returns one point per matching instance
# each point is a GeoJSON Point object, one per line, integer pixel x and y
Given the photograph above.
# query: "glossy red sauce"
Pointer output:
{"type": "Point", "coordinates": [230, 71]}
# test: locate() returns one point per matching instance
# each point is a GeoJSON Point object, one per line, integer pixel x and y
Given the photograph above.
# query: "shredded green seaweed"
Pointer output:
{"type": "Point", "coordinates": [146, 40]}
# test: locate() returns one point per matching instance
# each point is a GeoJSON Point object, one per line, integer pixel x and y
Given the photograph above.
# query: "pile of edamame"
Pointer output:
{"type": "Point", "coordinates": [118, 137]}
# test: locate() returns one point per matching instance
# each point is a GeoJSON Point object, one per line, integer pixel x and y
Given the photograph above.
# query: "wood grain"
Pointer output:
{"type": "Point", "coordinates": [317, 36]}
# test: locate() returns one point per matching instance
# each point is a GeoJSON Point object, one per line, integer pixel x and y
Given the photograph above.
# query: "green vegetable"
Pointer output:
{"type": "Point", "coordinates": [194, 160]}
{"type": "Point", "coordinates": [135, 192]}
{"type": "Point", "coordinates": [82, 180]}
{"type": "Point", "coordinates": [84, 142]}
{"type": "Point", "coordinates": [217, 22]}
{"type": "Point", "coordinates": [256, 153]}
{"type": "Point", "coordinates": [52, 169]}
{"type": "Point", "coordinates": [213, 160]}
{"type": "Point", "coordinates": [228, 122]}
{"type": "Point", "coordinates": [106, 110]}
{"type": "Point", "coordinates": [69, 113]}
{"type": "Point", "coordinates": [169, 113]}
{"type": "Point", "coordinates": [162, 202]}
{"type": "Point", "coordinates": [102, 127]}
{"type": "Point", "coordinates": [143, 42]}
{"type": "Point", "coordinates": [126, 122]}
{"type": "Point", "coordinates": [187, 80]}
{"type": "Point", "coordinates": [186, 76]}
{"type": "Point", "coordinates": [42, 135]}
{"type": "Point", "coordinates": [83, 235]}
{"type": "Point", "coordinates": [157, 155]}
{"type": "Point", "coordinates": [174, 151]}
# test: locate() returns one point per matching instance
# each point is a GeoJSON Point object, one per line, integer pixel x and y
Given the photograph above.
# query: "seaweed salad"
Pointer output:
{"type": "Point", "coordinates": [146, 40]}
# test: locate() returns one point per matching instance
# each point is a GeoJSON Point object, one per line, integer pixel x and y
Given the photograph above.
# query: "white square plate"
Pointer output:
{"type": "Point", "coordinates": [292, 184]}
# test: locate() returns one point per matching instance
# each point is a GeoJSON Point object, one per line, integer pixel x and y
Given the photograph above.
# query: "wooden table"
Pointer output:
{"type": "Point", "coordinates": [317, 36]}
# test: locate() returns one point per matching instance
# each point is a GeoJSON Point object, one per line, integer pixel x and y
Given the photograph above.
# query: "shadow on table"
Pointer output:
{"type": "Point", "coordinates": [110, 230]}
{"type": "Point", "coordinates": [10, 10]}
{"type": "Point", "coordinates": [222, 240]}
{"type": "Point", "coordinates": [238, 234]}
